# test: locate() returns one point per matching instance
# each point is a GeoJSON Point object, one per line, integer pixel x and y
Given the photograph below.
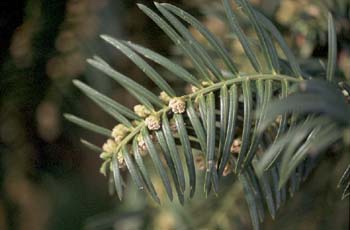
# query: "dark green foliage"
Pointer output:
{"type": "Point", "coordinates": [221, 111]}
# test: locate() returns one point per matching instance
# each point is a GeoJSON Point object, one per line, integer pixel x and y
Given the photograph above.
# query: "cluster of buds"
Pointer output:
{"type": "Point", "coordinates": [164, 97]}
{"type": "Point", "coordinates": [193, 89]}
{"type": "Point", "coordinates": [141, 111]}
{"type": "Point", "coordinates": [152, 119]}
{"type": "Point", "coordinates": [153, 122]}
{"type": "Point", "coordinates": [119, 132]}
{"type": "Point", "coordinates": [111, 145]}
{"type": "Point", "coordinates": [177, 105]}
{"type": "Point", "coordinates": [110, 148]}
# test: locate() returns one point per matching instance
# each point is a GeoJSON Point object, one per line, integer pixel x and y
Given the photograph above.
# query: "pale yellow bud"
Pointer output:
{"type": "Point", "coordinates": [119, 130]}
{"type": "Point", "coordinates": [105, 155]}
{"type": "Point", "coordinates": [141, 111]}
{"type": "Point", "coordinates": [103, 168]}
{"type": "Point", "coordinates": [110, 146]}
{"type": "Point", "coordinates": [177, 105]}
{"type": "Point", "coordinates": [152, 122]}
{"type": "Point", "coordinates": [164, 97]}
{"type": "Point", "coordinates": [194, 89]}
{"type": "Point", "coordinates": [205, 83]}
{"type": "Point", "coordinates": [118, 139]}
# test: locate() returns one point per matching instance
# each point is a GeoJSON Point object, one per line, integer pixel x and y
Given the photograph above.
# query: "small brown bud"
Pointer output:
{"type": "Point", "coordinates": [142, 146]}
{"type": "Point", "coordinates": [200, 162]}
{"type": "Point", "coordinates": [227, 169]}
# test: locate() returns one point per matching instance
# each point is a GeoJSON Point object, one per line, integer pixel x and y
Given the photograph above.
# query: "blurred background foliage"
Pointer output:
{"type": "Point", "coordinates": [48, 180]}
